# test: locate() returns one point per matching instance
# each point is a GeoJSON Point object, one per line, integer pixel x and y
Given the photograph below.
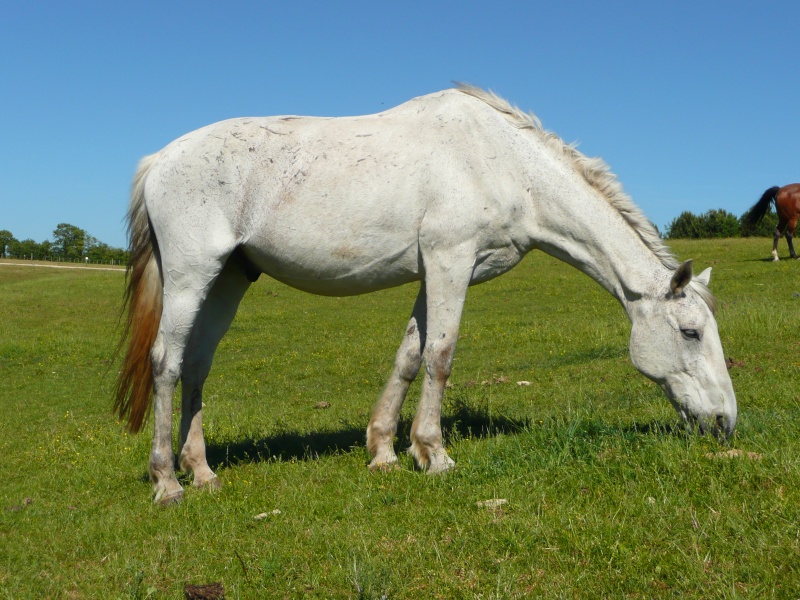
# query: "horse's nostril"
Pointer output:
{"type": "Point", "coordinates": [719, 426]}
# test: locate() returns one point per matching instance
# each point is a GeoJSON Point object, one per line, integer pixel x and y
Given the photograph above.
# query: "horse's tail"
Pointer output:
{"type": "Point", "coordinates": [143, 300]}
{"type": "Point", "coordinates": [760, 208]}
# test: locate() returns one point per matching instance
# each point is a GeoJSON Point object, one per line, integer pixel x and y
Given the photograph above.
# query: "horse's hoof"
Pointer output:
{"type": "Point", "coordinates": [439, 466]}
{"type": "Point", "coordinates": [212, 485]}
{"type": "Point", "coordinates": [171, 499]}
{"type": "Point", "coordinates": [383, 467]}
{"type": "Point", "coordinates": [440, 469]}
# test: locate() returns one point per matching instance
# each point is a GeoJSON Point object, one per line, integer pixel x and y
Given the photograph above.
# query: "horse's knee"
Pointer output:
{"type": "Point", "coordinates": [166, 367]}
{"type": "Point", "coordinates": [439, 360]}
{"type": "Point", "coordinates": [409, 356]}
{"type": "Point", "coordinates": [408, 364]}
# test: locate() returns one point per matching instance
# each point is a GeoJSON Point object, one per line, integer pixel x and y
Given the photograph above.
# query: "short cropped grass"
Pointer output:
{"type": "Point", "coordinates": [606, 495]}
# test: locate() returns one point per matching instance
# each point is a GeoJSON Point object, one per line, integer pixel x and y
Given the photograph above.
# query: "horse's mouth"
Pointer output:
{"type": "Point", "coordinates": [715, 425]}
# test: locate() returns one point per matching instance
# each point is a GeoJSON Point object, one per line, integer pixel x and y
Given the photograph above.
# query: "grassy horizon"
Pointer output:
{"type": "Point", "coordinates": [606, 495]}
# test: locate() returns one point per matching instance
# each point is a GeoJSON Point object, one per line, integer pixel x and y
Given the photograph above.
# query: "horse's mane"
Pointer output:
{"type": "Point", "coordinates": [597, 174]}
{"type": "Point", "coordinates": [594, 171]}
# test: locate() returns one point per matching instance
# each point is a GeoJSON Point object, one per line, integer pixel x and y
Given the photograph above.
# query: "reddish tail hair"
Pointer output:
{"type": "Point", "coordinates": [143, 300]}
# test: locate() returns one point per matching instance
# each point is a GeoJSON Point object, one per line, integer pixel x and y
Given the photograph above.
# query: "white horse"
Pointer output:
{"type": "Point", "coordinates": [449, 189]}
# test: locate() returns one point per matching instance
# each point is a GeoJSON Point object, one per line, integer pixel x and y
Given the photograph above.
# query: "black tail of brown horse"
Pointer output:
{"type": "Point", "coordinates": [760, 208]}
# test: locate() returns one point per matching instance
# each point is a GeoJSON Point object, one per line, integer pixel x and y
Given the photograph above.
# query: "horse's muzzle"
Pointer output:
{"type": "Point", "coordinates": [720, 426]}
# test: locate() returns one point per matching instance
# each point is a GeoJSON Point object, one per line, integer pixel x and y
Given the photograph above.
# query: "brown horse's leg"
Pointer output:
{"type": "Point", "coordinates": [783, 223]}
{"type": "Point", "coordinates": [790, 227]}
{"type": "Point", "coordinates": [775, 238]}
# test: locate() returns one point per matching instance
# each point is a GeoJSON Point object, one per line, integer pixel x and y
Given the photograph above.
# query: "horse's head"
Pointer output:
{"type": "Point", "coordinates": [675, 342]}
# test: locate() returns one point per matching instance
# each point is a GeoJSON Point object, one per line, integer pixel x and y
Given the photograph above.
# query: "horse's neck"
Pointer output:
{"type": "Point", "coordinates": [585, 231]}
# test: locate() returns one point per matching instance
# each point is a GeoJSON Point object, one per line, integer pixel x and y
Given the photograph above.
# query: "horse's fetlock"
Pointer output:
{"type": "Point", "coordinates": [372, 440]}
{"type": "Point", "coordinates": [421, 455]}
{"type": "Point", "coordinates": [161, 466]}
{"type": "Point", "coordinates": [185, 461]}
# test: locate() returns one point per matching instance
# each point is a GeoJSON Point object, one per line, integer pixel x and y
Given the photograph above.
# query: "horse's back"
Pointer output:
{"type": "Point", "coordinates": [337, 205]}
{"type": "Point", "coordinates": [790, 194]}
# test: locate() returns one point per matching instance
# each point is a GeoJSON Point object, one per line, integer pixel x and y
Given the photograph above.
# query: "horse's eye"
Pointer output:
{"type": "Point", "coordinates": [690, 334]}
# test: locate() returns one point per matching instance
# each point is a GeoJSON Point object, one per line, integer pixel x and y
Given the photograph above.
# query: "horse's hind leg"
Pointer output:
{"type": "Point", "coordinates": [783, 224]}
{"type": "Point", "coordinates": [386, 412]}
{"type": "Point", "coordinates": [167, 355]}
{"type": "Point", "coordinates": [775, 238]}
{"type": "Point", "coordinates": [213, 322]}
{"type": "Point", "coordinates": [185, 290]}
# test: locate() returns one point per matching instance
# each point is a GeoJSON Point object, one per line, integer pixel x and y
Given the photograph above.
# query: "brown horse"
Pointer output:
{"type": "Point", "coordinates": [787, 205]}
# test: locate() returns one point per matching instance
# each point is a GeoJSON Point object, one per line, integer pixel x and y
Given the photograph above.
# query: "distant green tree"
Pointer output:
{"type": "Point", "coordinates": [118, 255]}
{"type": "Point", "coordinates": [717, 223]}
{"type": "Point", "coordinates": [69, 241]}
{"type": "Point", "coordinates": [99, 252]}
{"type": "Point", "coordinates": [90, 242]}
{"type": "Point", "coordinates": [6, 239]}
{"type": "Point", "coordinates": [720, 223]}
{"type": "Point", "coordinates": [685, 225]}
{"type": "Point", "coordinates": [24, 249]}
{"type": "Point", "coordinates": [46, 249]}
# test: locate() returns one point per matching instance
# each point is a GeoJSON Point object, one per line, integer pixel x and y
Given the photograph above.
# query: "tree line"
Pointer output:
{"type": "Point", "coordinates": [720, 223]}
{"type": "Point", "coordinates": [70, 243]}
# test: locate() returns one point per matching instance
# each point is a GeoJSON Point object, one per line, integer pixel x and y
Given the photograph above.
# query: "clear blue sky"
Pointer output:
{"type": "Point", "coordinates": [695, 105]}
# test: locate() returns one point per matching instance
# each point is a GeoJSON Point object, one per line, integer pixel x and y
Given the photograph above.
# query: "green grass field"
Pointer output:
{"type": "Point", "coordinates": [606, 494]}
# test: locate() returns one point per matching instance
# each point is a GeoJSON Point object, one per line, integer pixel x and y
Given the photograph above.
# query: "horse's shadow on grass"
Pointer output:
{"type": "Point", "coordinates": [465, 421]}
{"type": "Point", "coordinates": [768, 259]}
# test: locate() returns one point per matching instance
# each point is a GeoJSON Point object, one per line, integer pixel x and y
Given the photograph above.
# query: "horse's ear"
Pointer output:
{"type": "Point", "coordinates": [681, 278]}
{"type": "Point", "coordinates": [704, 277]}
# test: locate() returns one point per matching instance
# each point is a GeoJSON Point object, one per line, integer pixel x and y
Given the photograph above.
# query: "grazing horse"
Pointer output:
{"type": "Point", "coordinates": [450, 190]}
{"type": "Point", "coordinates": [787, 205]}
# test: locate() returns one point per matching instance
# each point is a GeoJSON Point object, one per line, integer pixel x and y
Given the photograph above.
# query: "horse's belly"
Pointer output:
{"type": "Point", "coordinates": [336, 269]}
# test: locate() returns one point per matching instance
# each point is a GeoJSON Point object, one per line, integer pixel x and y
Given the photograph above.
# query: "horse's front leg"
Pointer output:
{"type": "Point", "coordinates": [789, 237]}
{"type": "Point", "coordinates": [446, 290]}
{"type": "Point", "coordinates": [386, 412]}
